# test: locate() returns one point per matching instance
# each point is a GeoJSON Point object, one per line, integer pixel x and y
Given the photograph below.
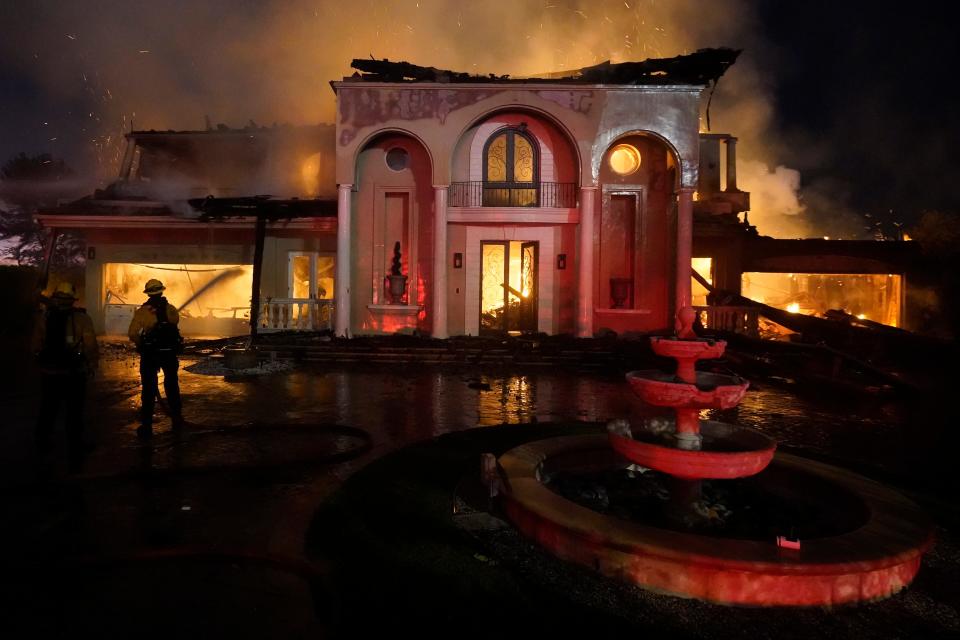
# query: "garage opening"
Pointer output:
{"type": "Point", "coordinates": [213, 299]}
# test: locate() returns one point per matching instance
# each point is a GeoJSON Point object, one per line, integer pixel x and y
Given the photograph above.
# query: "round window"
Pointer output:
{"type": "Point", "coordinates": [398, 159]}
{"type": "Point", "coordinates": [624, 159]}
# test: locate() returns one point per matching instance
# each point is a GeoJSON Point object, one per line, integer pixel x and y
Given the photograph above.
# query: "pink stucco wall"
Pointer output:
{"type": "Point", "coordinates": [445, 128]}
{"type": "Point", "coordinates": [372, 252]}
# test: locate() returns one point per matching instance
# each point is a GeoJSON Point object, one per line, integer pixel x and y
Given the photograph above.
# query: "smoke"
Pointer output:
{"type": "Point", "coordinates": [98, 69]}
{"type": "Point", "coordinates": [774, 198]}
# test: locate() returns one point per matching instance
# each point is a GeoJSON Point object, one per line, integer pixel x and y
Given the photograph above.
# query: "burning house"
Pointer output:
{"type": "Point", "coordinates": [452, 204]}
{"type": "Point", "coordinates": [867, 280]}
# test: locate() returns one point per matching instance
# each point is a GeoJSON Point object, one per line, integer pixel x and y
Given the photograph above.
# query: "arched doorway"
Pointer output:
{"type": "Point", "coordinates": [392, 222]}
{"type": "Point", "coordinates": [636, 235]}
{"type": "Point", "coordinates": [513, 203]}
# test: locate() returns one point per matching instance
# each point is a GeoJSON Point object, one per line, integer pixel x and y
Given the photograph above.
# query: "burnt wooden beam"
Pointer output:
{"type": "Point", "coordinates": [389, 71]}
{"type": "Point", "coordinates": [211, 208]}
{"type": "Point", "coordinates": [259, 237]}
{"type": "Point", "coordinates": [701, 67]}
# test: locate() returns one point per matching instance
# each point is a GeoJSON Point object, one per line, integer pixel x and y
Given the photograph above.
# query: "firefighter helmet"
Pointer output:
{"type": "Point", "coordinates": [65, 290]}
{"type": "Point", "coordinates": [154, 287]}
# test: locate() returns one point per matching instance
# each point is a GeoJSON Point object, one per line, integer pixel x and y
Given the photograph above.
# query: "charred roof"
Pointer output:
{"type": "Point", "coordinates": [252, 130]}
{"type": "Point", "coordinates": [699, 68]}
{"type": "Point", "coordinates": [106, 203]}
{"type": "Point", "coordinates": [264, 206]}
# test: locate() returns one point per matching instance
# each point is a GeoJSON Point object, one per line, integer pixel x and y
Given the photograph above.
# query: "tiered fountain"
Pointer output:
{"type": "Point", "coordinates": [694, 450]}
{"type": "Point", "coordinates": [807, 534]}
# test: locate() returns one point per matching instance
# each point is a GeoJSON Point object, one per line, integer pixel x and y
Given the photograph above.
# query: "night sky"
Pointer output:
{"type": "Point", "coordinates": [865, 98]}
{"type": "Point", "coordinates": [858, 97]}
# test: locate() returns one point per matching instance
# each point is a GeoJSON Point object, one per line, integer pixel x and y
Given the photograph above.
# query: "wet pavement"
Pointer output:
{"type": "Point", "coordinates": [210, 525]}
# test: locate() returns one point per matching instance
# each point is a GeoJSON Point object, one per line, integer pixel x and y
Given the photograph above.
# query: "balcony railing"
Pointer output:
{"type": "Point", "coordinates": [296, 314]}
{"type": "Point", "coordinates": [487, 194]}
{"type": "Point", "coordinates": [742, 320]}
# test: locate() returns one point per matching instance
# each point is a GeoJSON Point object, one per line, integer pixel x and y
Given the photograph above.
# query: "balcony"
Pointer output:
{"type": "Point", "coordinates": [552, 195]}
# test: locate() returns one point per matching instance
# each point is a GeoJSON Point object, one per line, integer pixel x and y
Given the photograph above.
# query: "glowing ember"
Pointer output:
{"type": "Point", "coordinates": [793, 307]}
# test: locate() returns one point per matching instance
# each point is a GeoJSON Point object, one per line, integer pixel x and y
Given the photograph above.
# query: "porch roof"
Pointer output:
{"type": "Point", "coordinates": [236, 212]}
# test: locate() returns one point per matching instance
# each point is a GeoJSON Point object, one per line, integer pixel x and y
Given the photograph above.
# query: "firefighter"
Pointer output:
{"type": "Point", "coordinates": [67, 353]}
{"type": "Point", "coordinates": [154, 331]}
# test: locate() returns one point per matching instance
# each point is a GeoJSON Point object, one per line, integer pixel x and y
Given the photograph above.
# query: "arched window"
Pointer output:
{"type": "Point", "coordinates": [511, 169]}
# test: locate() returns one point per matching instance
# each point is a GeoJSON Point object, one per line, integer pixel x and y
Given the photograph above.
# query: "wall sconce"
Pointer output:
{"type": "Point", "coordinates": [561, 261]}
{"type": "Point", "coordinates": [91, 253]}
{"type": "Point", "coordinates": [458, 261]}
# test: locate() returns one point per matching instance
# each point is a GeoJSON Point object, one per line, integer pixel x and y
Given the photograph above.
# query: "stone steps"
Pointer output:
{"type": "Point", "coordinates": [441, 356]}
{"type": "Point", "coordinates": [568, 353]}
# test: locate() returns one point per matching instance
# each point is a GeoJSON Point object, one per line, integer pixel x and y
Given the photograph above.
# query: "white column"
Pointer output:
{"type": "Point", "coordinates": [440, 261]}
{"type": "Point", "coordinates": [343, 288]}
{"type": "Point", "coordinates": [684, 246]}
{"type": "Point", "coordinates": [585, 275]}
{"type": "Point", "coordinates": [731, 164]}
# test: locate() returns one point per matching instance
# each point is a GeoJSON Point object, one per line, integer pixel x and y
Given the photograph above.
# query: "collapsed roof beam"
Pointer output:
{"type": "Point", "coordinates": [263, 207]}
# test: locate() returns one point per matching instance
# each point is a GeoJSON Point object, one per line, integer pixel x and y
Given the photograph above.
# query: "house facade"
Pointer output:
{"type": "Point", "coordinates": [517, 207]}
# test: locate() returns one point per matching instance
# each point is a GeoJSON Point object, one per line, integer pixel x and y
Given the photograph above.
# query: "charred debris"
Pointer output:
{"type": "Point", "coordinates": [703, 67]}
{"type": "Point", "coordinates": [838, 352]}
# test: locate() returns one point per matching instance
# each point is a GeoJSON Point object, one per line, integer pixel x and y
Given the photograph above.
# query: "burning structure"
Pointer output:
{"type": "Point", "coordinates": [142, 227]}
{"type": "Point", "coordinates": [560, 204]}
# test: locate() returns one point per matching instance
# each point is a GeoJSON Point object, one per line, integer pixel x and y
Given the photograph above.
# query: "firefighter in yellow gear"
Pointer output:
{"type": "Point", "coordinates": [154, 331]}
{"type": "Point", "coordinates": [66, 348]}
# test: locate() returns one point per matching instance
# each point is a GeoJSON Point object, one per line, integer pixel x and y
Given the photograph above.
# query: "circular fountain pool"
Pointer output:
{"type": "Point", "coordinates": [865, 541]}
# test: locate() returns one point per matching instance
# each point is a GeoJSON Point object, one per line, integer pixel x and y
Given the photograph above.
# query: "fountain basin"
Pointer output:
{"type": "Point", "coordinates": [727, 451]}
{"type": "Point", "coordinates": [879, 556]}
{"type": "Point", "coordinates": [711, 391]}
{"type": "Point", "coordinates": [687, 349]}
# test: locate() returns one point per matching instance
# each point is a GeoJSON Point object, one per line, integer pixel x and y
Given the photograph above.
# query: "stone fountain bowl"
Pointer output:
{"type": "Point", "coordinates": [727, 451]}
{"type": "Point", "coordinates": [874, 557]}
{"type": "Point", "coordinates": [687, 349]}
{"type": "Point", "coordinates": [712, 390]}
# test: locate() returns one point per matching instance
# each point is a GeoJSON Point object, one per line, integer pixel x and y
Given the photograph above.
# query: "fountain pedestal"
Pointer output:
{"type": "Point", "coordinates": [729, 451]}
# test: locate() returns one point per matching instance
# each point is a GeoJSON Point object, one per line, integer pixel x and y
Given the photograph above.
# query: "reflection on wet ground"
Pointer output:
{"type": "Point", "coordinates": [863, 432]}
{"type": "Point", "coordinates": [402, 404]}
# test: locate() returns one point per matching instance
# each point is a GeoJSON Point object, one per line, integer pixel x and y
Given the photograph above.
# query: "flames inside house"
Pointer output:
{"type": "Point", "coordinates": [508, 286]}
{"type": "Point", "coordinates": [213, 299]}
{"type": "Point", "coordinates": [699, 293]}
{"type": "Point", "coordinates": [876, 297]}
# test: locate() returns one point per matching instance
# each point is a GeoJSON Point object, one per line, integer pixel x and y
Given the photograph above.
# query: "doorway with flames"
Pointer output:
{"type": "Point", "coordinates": [509, 286]}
